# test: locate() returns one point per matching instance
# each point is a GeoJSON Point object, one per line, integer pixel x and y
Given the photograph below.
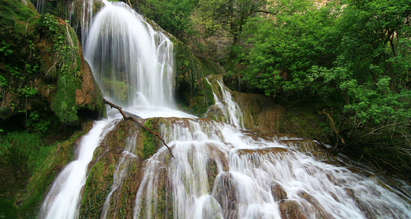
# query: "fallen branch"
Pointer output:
{"type": "Point", "coordinates": [135, 118]}
{"type": "Point", "coordinates": [333, 126]}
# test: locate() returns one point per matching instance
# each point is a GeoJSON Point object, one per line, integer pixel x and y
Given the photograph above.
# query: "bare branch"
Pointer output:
{"type": "Point", "coordinates": [135, 119]}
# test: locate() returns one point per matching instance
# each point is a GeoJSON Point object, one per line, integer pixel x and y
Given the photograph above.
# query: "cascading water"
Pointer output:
{"type": "Point", "coordinates": [127, 156]}
{"type": "Point", "coordinates": [132, 63]}
{"type": "Point", "coordinates": [224, 102]}
{"type": "Point", "coordinates": [218, 170]}
{"type": "Point", "coordinates": [86, 18]}
{"type": "Point", "coordinates": [64, 196]}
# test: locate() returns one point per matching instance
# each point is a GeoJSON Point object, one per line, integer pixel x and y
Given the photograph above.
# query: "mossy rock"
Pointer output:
{"type": "Point", "coordinates": [42, 68]}
{"type": "Point", "coordinates": [106, 161]}
{"type": "Point", "coordinates": [306, 122]}
{"type": "Point", "coordinates": [193, 92]}
{"type": "Point", "coordinates": [102, 168]}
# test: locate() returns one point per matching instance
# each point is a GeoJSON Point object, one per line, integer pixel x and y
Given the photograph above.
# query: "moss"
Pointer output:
{"type": "Point", "coordinates": [42, 66]}
{"type": "Point", "coordinates": [68, 62]}
{"type": "Point", "coordinates": [102, 168]}
{"type": "Point", "coordinates": [15, 14]}
{"type": "Point", "coordinates": [48, 162]}
{"type": "Point", "coordinates": [97, 188]}
{"type": "Point", "coordinates": [150, 142]}
{"type": "Point", "coordinates": [7, 209]}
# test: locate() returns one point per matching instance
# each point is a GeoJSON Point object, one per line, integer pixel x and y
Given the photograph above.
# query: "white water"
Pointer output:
{"type": "Point", "coordinates": [123, 50]}
{"type": "Point", "coordinates": [248, 169]}
{"type": "Point", "coordinates": [224, 102]}
{"type": "Point", "coordinates": [133, 65]}
{"type": "Point", "coordinates": [64, 195]}
{"type": "Point", "coordinates": [127, 157]}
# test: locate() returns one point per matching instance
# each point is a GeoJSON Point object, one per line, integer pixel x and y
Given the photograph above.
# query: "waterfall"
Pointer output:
{"type": "Point", "coordinates": [219, 170]}
{"type": "Point", "coordinates": [132, 63]}
{"type": "Point", "coordinates": [86, 18]}
{"type": "Point", "coordinates": [232, 113]}
{"type": "Point", "coordinates": [64, 196]}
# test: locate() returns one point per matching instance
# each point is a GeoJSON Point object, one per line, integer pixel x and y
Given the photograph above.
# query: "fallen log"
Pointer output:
{"type": "Point", "coordinates": [135, 118]}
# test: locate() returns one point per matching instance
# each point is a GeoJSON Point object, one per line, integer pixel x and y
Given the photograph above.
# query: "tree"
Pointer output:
{"type": "Point", "coordinates": [230, 15]}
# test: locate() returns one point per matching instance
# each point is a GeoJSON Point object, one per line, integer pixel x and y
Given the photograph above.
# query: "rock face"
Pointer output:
{"type": "Point", "coordinates": [42, 66]}
{"type": "Point", "coordinates": [291, 210]}
{"type": "Point", "coordinates": [278, 192]}
{"type": "Point", "coordinates": [116, 171]}
{"type": "Point", "coordinates": [193, 92]}
{"type": "Point", "coordinates": [226, 195]}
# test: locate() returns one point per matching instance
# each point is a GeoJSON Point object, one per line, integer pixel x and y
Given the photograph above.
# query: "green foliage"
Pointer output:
{"type": "Point", "coordinates": [7, 209]}
{"type": "Point", "coordinates": [230, 15]}
{"type": "Point", "coordinates": [172, 15]}
{"type": "Point", "coordinates": [3, 81]}
{"type": "Point", "coordinates": [48, 162]}
{"type": "Point", "coordinates": [149, 142]}
{"type": "Point", "coordinates": [21, 150]}
{"type": "Point", "coordinates": [352, 59]}
{"type": "Point", "coordinates": [67, 70]}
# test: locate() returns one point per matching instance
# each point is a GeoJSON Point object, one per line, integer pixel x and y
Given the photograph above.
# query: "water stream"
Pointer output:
{"type": "Point", "coordinates": [219, 170]}
{"type": "Point", "coordinates": [64, 195]}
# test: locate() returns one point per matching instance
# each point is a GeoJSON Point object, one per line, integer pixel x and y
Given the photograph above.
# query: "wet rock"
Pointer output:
{"type": "Point", "coordinates": [226, 195]}
{"type": "Point", "coordinates": [122, 201]}
{"type": "Point", "coordinates": [360, 204]}
{"type": "Point", "coordinates": [310, 147]}
{"type": "Point", "coordinates": [89, 95]}
{"type": "Point", "coordinates": [212, 172]}
{"type": "Point", "coordinates": [319, 210]}
{"type": "Point", "coordinates": [260, 112]}
{"type": "Point", "coordinates": [262, 151]}
{"type": "Point", "coordinates": [278, 192]}
{"type": "Point", "coordinates": [102, 167]}
{"type": "Point", "coordinates": [164, 197]}
{"type": "Point", "coordinates": [219, 156]}
{"type": "Point", "coordinates": [290, 209]}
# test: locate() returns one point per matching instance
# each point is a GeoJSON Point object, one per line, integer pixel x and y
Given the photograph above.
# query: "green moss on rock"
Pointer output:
{"type": "Point", "coordinates": [104, 164]}
{"type": "Point", "coordinates": [42, 67]}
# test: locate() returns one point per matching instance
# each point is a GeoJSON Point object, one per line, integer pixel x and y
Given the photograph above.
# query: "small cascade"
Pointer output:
{"type": "Point", "coordinates": [64, 196]}
{"type": "Point", "coordinates": [127, 156]}
{"type": "Point", "coordinates": [230, 110]}
{"type": "Point", "coordinates": [220, 172]}
{"type": "Point", "coordinates": [132, 63]}
{"type": "Point", "coordinates": [87, 14]}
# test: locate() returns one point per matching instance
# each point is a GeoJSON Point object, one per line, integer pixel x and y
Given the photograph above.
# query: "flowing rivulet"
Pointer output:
{"type": "Point", "coordinates": [219, 171]}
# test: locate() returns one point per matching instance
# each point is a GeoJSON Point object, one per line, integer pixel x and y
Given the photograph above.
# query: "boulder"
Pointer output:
{"type": "Point", "coordinates": [290, 209]}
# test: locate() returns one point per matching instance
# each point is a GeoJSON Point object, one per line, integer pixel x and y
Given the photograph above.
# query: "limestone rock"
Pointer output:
{"type": "Point", "coordinates": [290, 209]}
